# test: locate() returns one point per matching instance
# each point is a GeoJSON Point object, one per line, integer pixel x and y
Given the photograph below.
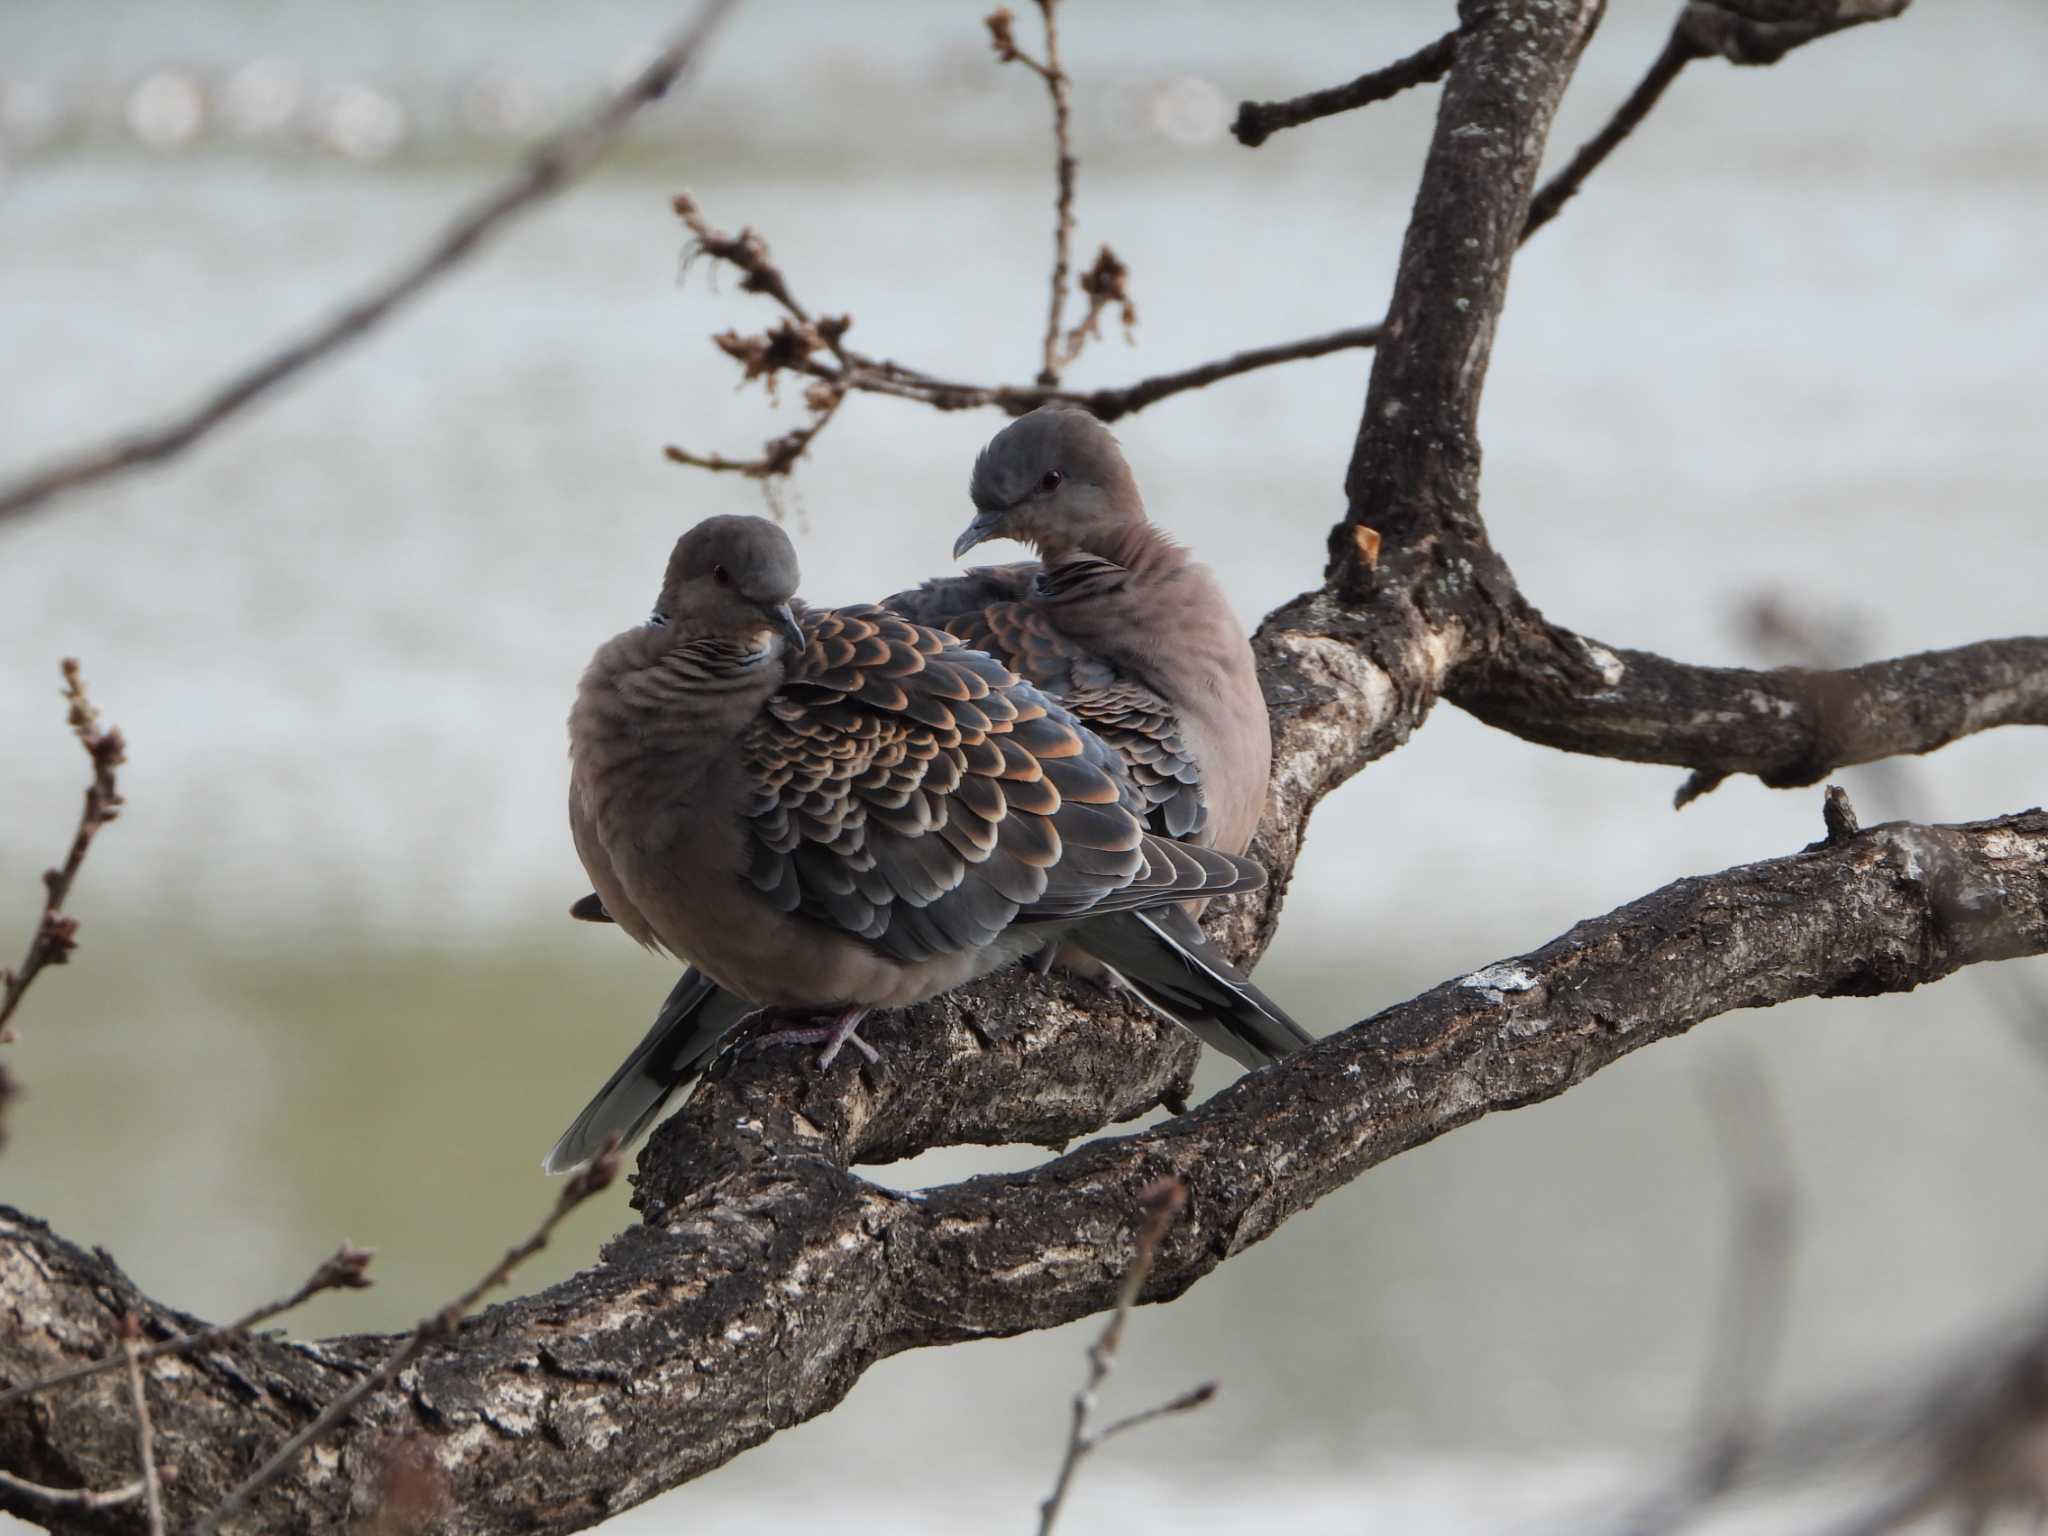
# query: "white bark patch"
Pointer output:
{"type": "Point", "coordinates": [1611, 667]}
{"type": "Point", "coordinates": [1496, 981]}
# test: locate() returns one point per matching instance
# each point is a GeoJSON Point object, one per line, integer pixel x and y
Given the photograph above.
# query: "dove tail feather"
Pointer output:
{"type": "Point", "coordinates": [694, 1020]}
{"type": "Point", "coordinates": [1164, 958]}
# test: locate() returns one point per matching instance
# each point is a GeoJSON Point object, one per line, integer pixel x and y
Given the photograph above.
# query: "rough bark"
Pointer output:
{"type": "Point", "coordinates": [768, 1277]}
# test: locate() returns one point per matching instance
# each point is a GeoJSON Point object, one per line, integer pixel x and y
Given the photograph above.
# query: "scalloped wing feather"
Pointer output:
{"type": "Point", "coordinates": [918, 794]}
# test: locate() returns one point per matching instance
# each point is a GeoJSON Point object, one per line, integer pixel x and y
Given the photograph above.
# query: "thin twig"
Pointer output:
{"type": "Point", "coordinates": [1257, 121]}
{"type": "Point", "coordinates": [145, 1432]}
{"type": "Point", "coordinates": [597, 1175]}
{"type": "Point", "coordinates": [1678, 51]}
{"type": "Point", "coordinates": [1703, 31]}
{"type": "Point", "coordinates": [1194, 1397]}
{"type": "Point", "coordinates": [57, 935]}
{"type": "Point", "coordinates": [71, 1498]}
{"type": "Point", "coordinates": [345, 1269]}
{"type": "Point", "coordinates": [1159, 1203]}
{"type": "Point", "coordinates": [549, 166]}
{"type": "Point", "coordinates": [799, 344]}
{"type": "Point", "coordinates": [1057, 86]}
{"type": "Point", "coordinates": [1104, 284]}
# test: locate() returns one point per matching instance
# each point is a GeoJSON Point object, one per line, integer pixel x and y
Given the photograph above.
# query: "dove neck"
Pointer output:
{"type": "Point", "coordinates": [1135, 546]}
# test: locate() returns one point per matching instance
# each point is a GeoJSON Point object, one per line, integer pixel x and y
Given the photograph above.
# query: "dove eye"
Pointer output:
{"type": "Point", "coordinates": [720, 575]}
{"type": "Point", "coordinates": [1050, 482]}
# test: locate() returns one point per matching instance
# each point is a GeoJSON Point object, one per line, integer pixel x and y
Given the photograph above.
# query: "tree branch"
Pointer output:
{"type": "Point", "coordinates": [550, 166]}
{"type": "Point", "coordinates": [768, 1277]}
{"type": "Point", "coordinates": [1789, 727]}
{"type": "Point", "coordinates": [1258, 121]}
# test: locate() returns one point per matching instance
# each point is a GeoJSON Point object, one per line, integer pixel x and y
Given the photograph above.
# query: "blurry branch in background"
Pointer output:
{"type": "Point", "coordinates": [1749, 1328]}
{"type": "Point", "coordinates": [550, 166]}
{"type": "Point", "coordinates": [56, 935]}
{"type": "Point", "coordinates": [1158, 1205]}
{"type": "Point", "coordinates": [595, 1177]}
{"type": "Point", "coordinates": [1969, 1441]}
{"type": "Point", "coordinates": [1258, 121]}
{"type": "Point", "coordinates": [1976, 1438]}
{"type": "Point", "coordinates": [347, 1268]}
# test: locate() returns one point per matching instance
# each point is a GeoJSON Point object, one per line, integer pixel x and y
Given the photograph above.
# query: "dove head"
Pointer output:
{"type": "Point", "coordinates": [730, 575]}
{"type": "Point", "coordinates": [1055, 480]}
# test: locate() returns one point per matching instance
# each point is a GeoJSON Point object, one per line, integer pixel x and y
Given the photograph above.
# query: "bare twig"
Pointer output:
{"type": "Point", "coordinates": [1194, 1397]}
{"type": "Point", "coordinates": [1159, 1203]}
{"type": "Point", "coordinates": [1105, 283]}
{"type": "Point", "coordinates": [347, 1268]}
{"type": "Point", "coordinates": [71, 1498]}
{"type": "Point", "coordinates": [1258, 121]}
{"type": "Point", "coordinates": [1703, 31]}
{"type": "Point", "coordinates": [779, 454]}
{"type": "Point", "coordinates": [796, 344]}
{"type": "Point", "coordinates": [595, 1176]}
{"type": "Point", "coordinates": [550, 165]}
{"type": "Point", "coordinates": [56, 934]}
{"type": "Point", "coordinates": [1678, 51]}
{"type": "Point", "coordinates": [1000, 30]}
{"type": "Point", "coordinates": [145, 1433]}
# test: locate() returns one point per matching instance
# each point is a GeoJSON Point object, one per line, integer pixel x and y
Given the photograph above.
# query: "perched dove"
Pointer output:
{"type": "Point", "coordinates": [850, 813]}
{"type": "Point", "coordinates": [1115, 620]}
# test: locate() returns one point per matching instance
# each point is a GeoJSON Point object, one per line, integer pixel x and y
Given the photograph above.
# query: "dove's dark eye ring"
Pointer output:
{"type": "Point", "coordinates": [720, 575]}
{"type": "Point", "coordinates": [1049, 482]}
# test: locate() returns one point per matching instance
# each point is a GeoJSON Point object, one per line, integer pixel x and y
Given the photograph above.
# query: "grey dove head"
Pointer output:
{"type": "Point", "coordinates": [730, 575]}
{"type": "Point", "coordinates": [1054, 479]}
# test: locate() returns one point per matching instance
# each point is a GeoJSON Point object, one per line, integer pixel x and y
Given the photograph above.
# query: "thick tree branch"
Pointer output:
{"type": "Point", "coordinates": [768, 1278]}
{"type": "Point", "coordinates": [550, 166]}
{"type": "Point", "coordinates": [1789, 727]}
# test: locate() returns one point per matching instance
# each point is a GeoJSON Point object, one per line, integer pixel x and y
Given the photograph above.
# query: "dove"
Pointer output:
{"type": "Point", "coordinates": [831, 811]}
{"type": "Point", "coordinates": [1115, 619]}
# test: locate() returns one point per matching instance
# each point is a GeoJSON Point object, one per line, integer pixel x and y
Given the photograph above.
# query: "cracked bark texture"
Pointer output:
{"type": "Point", "coordinates": [766, 1276]}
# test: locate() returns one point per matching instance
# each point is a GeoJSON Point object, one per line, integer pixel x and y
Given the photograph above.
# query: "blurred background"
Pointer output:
{"type": "Point", "coordinates": [1785, 347]}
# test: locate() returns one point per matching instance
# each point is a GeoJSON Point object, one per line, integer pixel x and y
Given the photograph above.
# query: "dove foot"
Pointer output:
{"type": "Point", "coordinates": [833, 1037]}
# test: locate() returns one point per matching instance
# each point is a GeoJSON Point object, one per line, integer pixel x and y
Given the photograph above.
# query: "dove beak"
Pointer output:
{"type": "Point", "coordinates": [786, 624]}
{"type": "Point", "coordinates": [986, 525]}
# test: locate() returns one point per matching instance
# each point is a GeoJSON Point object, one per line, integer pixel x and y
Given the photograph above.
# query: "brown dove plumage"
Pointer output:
{"type": "Point", "coordinates": [843, 813]}
{"type": "Point", "coordinates": [1115, 620]}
